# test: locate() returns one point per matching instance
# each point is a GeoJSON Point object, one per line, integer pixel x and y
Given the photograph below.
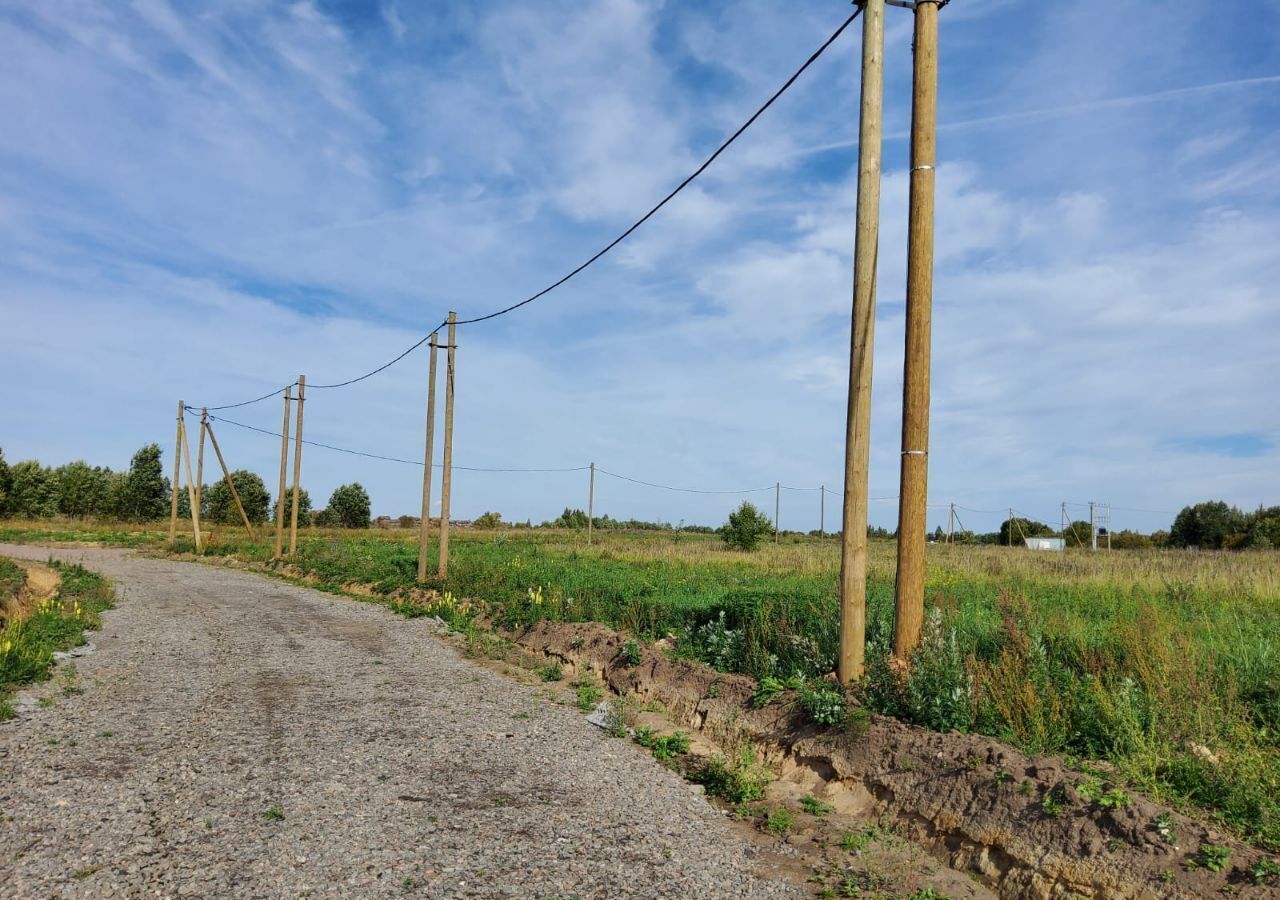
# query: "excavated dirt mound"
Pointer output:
{"type": "Point", "coordinates": [977, 803]}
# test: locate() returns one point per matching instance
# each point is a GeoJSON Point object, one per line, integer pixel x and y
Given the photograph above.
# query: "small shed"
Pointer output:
{"type": "Point", "coordinates": [1045, 543]}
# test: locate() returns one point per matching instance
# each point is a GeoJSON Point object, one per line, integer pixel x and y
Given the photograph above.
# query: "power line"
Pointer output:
{"type": "Point", "coordinates": [608, 247]}
{"type": "Point", "coordinates": [667, 487]}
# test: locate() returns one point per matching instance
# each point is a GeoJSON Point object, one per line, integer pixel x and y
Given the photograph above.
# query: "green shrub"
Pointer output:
{"type": "Point", "coordinates": [746, 527]}
{"type": "Point", "coordinates": [737, 780]}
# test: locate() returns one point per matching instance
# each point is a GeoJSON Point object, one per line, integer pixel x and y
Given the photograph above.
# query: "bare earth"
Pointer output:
{"type": "Point", "coordinates": [238, 737]}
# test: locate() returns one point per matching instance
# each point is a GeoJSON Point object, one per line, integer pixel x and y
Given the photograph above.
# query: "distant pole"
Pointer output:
{"type": "Point", "coordinates": [951, 525]}
{"type": "Point", "coordinates": [822, 512]}
{"type": "Point", "coordinates": [912, 511]}
{"type": "Point", "coordinates": [177, 461]}
{"type": "Point", "coordinates": [297, 467]}
{"type": "Point", "coordinates": [591, 501]}
{"type": "Point", "coordinates": [1093, 526]}
{"type": "Point", "coordinates": [777, 508]}
{"type": "Point", "coordinates": [447, 471]}
{"type": "Point", "coordinates": [1062, 523]}
{"type": "Point", "coordinates": [425, 528]}
{"type": "Point", "coordinates": [204, 423]}
{"type": "Point", "coordinates": [284, 467]}
{"type": "Point", "coordinates": [191, 490]}
{"type": "Point", "coordinates": [231, 485]}
{"type": "Point", "coordinates": [857, 448]}
{"type": "Point", "coordinates": [1009, 541]}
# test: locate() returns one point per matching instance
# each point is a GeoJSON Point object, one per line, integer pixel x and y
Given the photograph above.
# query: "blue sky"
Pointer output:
{"type": "Point", "coordinates": [202, 200]}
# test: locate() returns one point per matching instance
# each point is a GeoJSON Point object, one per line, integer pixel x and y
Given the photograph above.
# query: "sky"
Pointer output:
{"type": "Point", "coordinates": [201, 201]}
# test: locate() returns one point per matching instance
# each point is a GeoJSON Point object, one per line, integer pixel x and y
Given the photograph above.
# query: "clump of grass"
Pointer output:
{"type": "Point", "coordinates": [815, 807]}
{"type": "Point", "coordinates": [550, 672]}
{"type": "Point", "coordinates": [589, 694]}
{"type": "Point", "coordinates": [737, 779]}
{"type": "Point", "coordinates": [664, 748]}
{"type": "Point", "coordinates": [779, 820]}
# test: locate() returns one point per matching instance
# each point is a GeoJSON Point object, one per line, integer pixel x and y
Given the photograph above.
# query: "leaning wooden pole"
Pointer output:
{"type": "Point", "coordinates": [231, 485]}
{"type": "Point", "coordinates": [424, 530]}
{"type": "Point", "coordinates": [591, 501]}
{"type": "Point", "coordinates": [284, 467]}
{"type": "Point", "coordinates": [853, 536]}
{"type": "Point", "coordinates": [446, 474]}
{"type": "Point", "coordinates": [204, 420]}
{"type": "Point", "coordinates": [177, 462]}
{"type": "Point", "coordinates": [191, 491]}
{"type": "Point", "coordinates": [297, 467]}
{"type": "Point", "coordinates": [908, 618]}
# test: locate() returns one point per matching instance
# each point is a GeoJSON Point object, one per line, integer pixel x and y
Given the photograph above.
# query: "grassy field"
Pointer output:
{"type": "Point", "coordinates": [1163, 664]}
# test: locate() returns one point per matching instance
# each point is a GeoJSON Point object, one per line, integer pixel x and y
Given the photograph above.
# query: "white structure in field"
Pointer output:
{"type": "Point", "coordinates": [1045, 543]}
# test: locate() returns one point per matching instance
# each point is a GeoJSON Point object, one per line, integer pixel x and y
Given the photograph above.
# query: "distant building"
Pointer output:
{"type": "Point", "coordinates": [1045, 543]}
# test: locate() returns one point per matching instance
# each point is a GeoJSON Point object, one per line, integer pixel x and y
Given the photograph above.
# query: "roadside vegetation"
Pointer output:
{"type": "Point", "coordinates": [32, 630]}
{"type": "Point", "coordinates": [1162, 665]}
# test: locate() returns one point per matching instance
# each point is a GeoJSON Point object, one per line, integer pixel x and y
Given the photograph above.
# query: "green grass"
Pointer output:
{"type": "Point", "coordinates": [27, 644]}
{"type": "Point", "coordinates": [1131, 657]}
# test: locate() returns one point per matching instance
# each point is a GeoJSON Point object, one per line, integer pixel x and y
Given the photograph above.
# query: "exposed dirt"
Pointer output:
{"type": "Point", "coordinates": [977, 803]}
{"type": "Point", "coordinates": [42, 582]}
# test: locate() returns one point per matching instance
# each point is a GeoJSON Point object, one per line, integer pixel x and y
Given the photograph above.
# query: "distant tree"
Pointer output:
{"type": "Point", "coordinates": [745, 528]}
{"type": "Point", "coordinates": [1262, 530]}
{"type": "Point", "coordinates": [6, 485]}
{"type": "Point", "coordinates": [489, 520]}
{"type": "Point", "coordinates": [31, 491]}
{"type": "Point", "coordinates": [324, 518]}
{"type": "Point", "coordinates": [1211, 526]}
{"type": "Point", "coordinates": [570, 518]}
{"type": "Point", "coordinates": [82, 490]}
{"type": "Point", "coordinates": [145, 495]}
{"type": "Point", "coordinates": [304, 506]}
{"type": "Point", "coordinates": [1130, 540]}
{"type": "Point", "coordinates": [407, 521]}
{"type": "Point", "coordinates": [349, 505]}
{"type": "Point", "coordinates": [220, 506]}
{"type": "Point", "coordinates": [1079, 534]}
{"type": "Point", "coordinates": [1023, 528]}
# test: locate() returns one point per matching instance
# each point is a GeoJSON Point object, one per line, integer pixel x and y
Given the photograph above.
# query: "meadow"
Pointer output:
{"type": "Point", "coordinates": [1161, 667]}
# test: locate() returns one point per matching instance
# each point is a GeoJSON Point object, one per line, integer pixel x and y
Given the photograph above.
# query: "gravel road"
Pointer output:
{"type": "Point", "coordinates": [235, 736]}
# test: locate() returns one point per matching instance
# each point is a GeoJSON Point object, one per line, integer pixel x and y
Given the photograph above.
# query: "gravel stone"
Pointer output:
{"type": "Point", "coordinates": [235, 736]}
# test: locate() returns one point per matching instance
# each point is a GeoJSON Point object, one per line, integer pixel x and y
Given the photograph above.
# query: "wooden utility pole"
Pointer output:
{"type": "Point", "coordinates": [231, 485]}
{"type": "Point", "coordinates": [284, 467]}
{"type": "Point", "coordinates": [204, 423]}
{"type": "Point", "coordinates": [777, 508]}
{"type": "Point", "coordinates": [822, 512]}
{"type": "Point", "coordinates": [853, 538]}
{"type": "Point", "coordinates": [446, 476]}
{"type": "Point", "coordinates": [425, 527]}
{"type": "Point", "coordinates": [1093, 527]}
{"type": "Point", "coordinates": [951, 524]}
{"type": "Point", "coordinates": [191, 490]}
{"type": "Point", "coordinates": [1009, 540]}
{"type": "Point", "coordinates": [591, 501]}
{"type": "Point", "coordinates": [297, 468]}
{"type": "Point", "coordinates": [908, 619]}
{"type": "Point", "coordinates": [177, 461]}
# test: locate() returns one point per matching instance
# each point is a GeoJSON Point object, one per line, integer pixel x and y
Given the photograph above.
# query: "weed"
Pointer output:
{"type": "Point", "coordinates": [738, 779]}
{"type": "Point", "coordinates": [666, 748]}
{"type": "Point", "coordinates": [713, 690]}
{"type": "Point", "coordinates": [1211, 857]}
{"type": "Point", "coordinates": [857, 841]}
{"type": "Point", "coordinates": [1114, 844]}
{"type": "Point", "coordinates": [274, 813]}
{"type": "Point", "coordinates": [1055, 802]}
{"type": "Point", "coordinates": [588, 694]}
{"type": "Point", "coordinates": [1026, 789]}
{"type": "Point", "coordinates": [779, 820]}
{"type": "Point", "coordinates": [629, 654]}
{"type": "Point", "coordinates": [1265, 871]}
{"type": "Point", "coordinates": [1162, 825]}
{"type": "Point", "coordinates": [1166, 876]}
{"type": "Point", "coordinates": [824, 702]}
{"type": "Point", "coordinates": [766, 690]}
{"type": "Point", "coordinates": [550, 672]}
{"type": "Point", "coordinates": [1001, 777]}
{"type": "Point", "coordinates": [815, 807]}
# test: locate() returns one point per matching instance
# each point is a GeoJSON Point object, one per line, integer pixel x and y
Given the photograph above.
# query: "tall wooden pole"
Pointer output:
{"type": "Point", "coordinates": [231, 485]}
{"type": "Point", "coordinates": [446, 475]}
{"type": "Point", "coordinates": [425, 528]}
{"type": "Point", "coordinates": [777, 508]}
{"type": "Point", "coordinates": [1093, 527]}
{"type": "Point", "coordinates": [822, 512]}
{"type": "Point", "coordinates": [591, 501]}
{"type": "Point", "coordinates": [204, 422]}
{"type": "Point", "coordinates": [853, 538]}
{"type": "Point", "coordinates": [284, 467]}
{"type": "Point", "coordinates": [297, 467]}
{"type": "Point", "coordinates": [908, 616]}
{"type": "Point", "coordinates": [177, 461]}
{"type": "Point", "coordinates": [191, 491]}
{"type": "Point", "coordinates": [1010, 540]}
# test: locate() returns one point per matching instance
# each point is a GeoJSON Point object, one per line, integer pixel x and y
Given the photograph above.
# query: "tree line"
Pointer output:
{"type": "Point", "coordinates": [142, 493]}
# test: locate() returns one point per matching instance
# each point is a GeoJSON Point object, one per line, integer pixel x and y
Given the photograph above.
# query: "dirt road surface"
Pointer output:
{"type": "Point", "coordinates": [233, 736]}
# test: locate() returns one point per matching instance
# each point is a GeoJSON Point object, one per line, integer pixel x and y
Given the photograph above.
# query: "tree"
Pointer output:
{"type": "Point", "coordinates": [489, 520]}
{"type": "Point", "coordinates": [1210, 526]}
{"type": "Point", "coordinates": [745, 528]}
{"type": "Point", "coordinates": [304, 506]}
{"type": "Point", "coordinates": [349, 505]}
{"type": "Point", "coordinates": [220, 507]}
{"type": "Point", "coordinates": [31, 491]}
{"type": "Point", "coordinates": [1023, 528]}
{"type": "Point", "coordinates": [570, 518]}
{"type": "Point", "coordinates": [145, 495]}
{"type": "Point", "coordinates": [6, 485]}
{"type": "Point", "coordinates": [82, 490]}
